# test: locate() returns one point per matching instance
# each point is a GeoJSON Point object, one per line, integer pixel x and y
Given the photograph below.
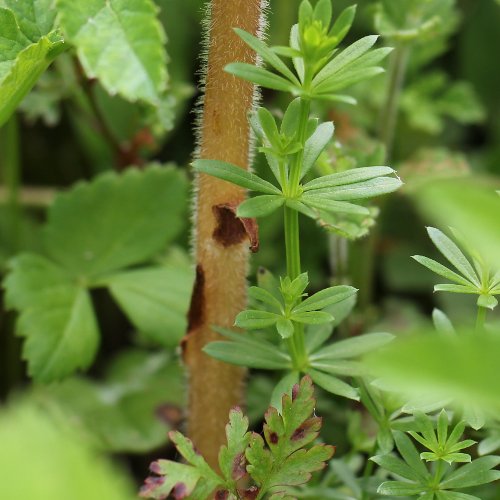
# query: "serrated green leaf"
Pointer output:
{"type": "Point", "coordinates": [288, 461]}
{"type": "Point", "coordinates": [119, 42]}
{"type": "Point", "coordinates": [453, 254]}
{"type": "Point", "coordinates": [333, 384]}
{"type": "Point", "coordinates": [259, 76]}
{"type": "Point", "coordinates": [197, 479]}
{"type": "Point", "coordinates": [21, 62]}
{"type": "Point", "coordinates": [35, 17]}
{"type": "Point", "coordinates": [155, 299]}
{"type": "Point", "coordinates": [56, 318]}
{"type": "Point", "coordinates": [284, 386]}
{"type": "Point", "coordinates": [260, 206]}
{"type": "Point", "coordinates": [128, 218]}
{"type": "Point", "coordinates": [236, 175]}
{"type": "Point", "coordinates": [353, 347]}
{"type": "Point", "coordinates": [315, 145]}
{"type": "Point", "coordinates": [232, 455]}
{"type": "Point", "coordinates": [441, 270]}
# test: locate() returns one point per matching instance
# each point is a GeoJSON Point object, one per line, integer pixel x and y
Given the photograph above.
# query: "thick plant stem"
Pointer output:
{"type": "Point", "coordinates": [221, 240]}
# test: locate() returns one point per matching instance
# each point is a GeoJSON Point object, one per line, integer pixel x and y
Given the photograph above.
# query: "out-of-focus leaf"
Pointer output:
{"type": "Point", "coordinates": [56, 318]}
{"type": "Point", "coordinates": [155, 299]}
{"type": "Point", "coordinates": [59, 460]}
{"type": "Point", "coordinates": [127, 219]}
{"type": "Point", "coordinates": [465, 367]}
{"type": "Point", "coordinates": [469, 206]}
{"type": "Point", "coordinates": [132, 409]}
{"type": "Point", "coordinates": [26, 50]}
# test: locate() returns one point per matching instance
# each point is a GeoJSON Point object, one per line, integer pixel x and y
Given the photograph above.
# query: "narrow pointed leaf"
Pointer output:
{"type": "Point", "coordinates": [454, 255]}
{"type": "Point", "coordinates": [348, 55]}
{"type": "Point", "coordinates": [326, 297]}
{"type": "Point", "coordinates": [353, 347]}
{"type": "Point", "coordinates": [334, 385]}
{"type": "Point", "coordinates": [254, 319]}
{"type": "Point", "coordinates": [267, 54]}
{"type": "Point", "coordinates": [361, 190]}
{"type": "Point", "coordinates": [251, 357]}
{"type": "Point", "coordinates": [441, 270]}
{"type": "Point", "coordinates": [259, 76]}
{"type": "Point", "coordinates": [260, 206]}
{"type": "Point", "coordinates": [315, 145]}
{"type": "Point", "coordinates": [234, 174]}
{"type": "Point", "coordinates": [333, 206]}
{"type": "Point", "coordinates": [352, 176]}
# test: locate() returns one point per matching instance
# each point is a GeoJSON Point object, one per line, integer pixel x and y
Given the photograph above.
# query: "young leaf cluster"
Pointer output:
{"type": "Point", "coordinates": [475, 278]}
{"type": "Point", "coordinates": [285, 456]}
{"type": "Point", "coordinates": [414, 479]}
{"type": "Point", "coordinates": [320, 71]}
{"type": "Point", "coordinates": [326, 364]}
{"type": "Point", "coordinates": [287, 309]}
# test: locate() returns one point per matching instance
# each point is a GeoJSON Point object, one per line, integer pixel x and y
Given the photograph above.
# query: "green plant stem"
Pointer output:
{"type": "Point", "coordinates": [292, 236]}
{"type": "Point", "coordinates": [480, 318]}
{"type": "Point", "coordinates": [364, 252]}
{"type": "Point", "coordinates": [397, 72]}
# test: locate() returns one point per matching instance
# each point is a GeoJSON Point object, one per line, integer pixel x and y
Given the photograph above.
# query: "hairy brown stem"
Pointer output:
{"type": "Point", "coordinates": [221, 240]}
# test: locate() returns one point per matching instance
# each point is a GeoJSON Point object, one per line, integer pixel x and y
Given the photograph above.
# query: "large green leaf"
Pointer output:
{"type": "Point", "coordinates": [34, 17]}
{"type": "Point", "coordinates": [59, 463]}
{"type": "Point", "coordinates": [115, 221]}
{"type": "Point", "coordinates": [120, 42]}
{"type": "Point", "coordinates": [470, 206]}
{"type": "Point", "coordinates": [124, 412]}
{"type": "Point", "coordinates": [21, 61]}
{"type": "Point", "coordinates": [57, 318]}
{"type": "Point", "coordinates": [465, 367]}
{"type": "Point", "coordinates": [155, 299]}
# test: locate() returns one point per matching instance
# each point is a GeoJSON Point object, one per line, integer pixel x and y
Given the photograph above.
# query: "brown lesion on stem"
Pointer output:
{"type": "Point", "coordinates": [221, 239]}
{"type": "Point", "coordinates": [231, 229]}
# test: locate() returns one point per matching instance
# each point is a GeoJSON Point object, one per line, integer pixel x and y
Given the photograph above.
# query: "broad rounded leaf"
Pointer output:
{"type": "Point", "coordinates": [115, 221]}
{"type": "Point", "coordinates": [120, 42]}
{"type": "Point", "coordinates": [56, 318]}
